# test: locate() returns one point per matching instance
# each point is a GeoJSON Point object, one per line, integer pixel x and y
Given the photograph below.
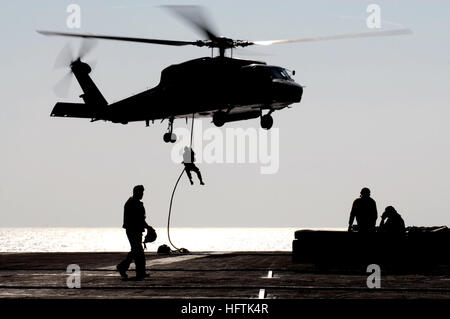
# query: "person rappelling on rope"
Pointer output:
{"type": "Point", "coordinates": [189, 166]}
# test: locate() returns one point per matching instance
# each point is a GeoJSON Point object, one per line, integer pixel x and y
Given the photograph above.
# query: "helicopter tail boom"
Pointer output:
{"type": "Point", "coordinates": [91, 94]}
{"type": "Point", "coordinates": [79, 110]}
{"type": "Point", "coordinates": [94, 103]}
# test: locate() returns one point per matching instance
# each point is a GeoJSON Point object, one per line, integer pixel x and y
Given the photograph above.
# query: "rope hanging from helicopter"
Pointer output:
{"type": "Point", "coordinates": [173, 193]}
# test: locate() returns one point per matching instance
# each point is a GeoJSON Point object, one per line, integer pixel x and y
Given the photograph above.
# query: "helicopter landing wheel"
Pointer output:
{"type": "Point", "coordinates": [219, 118]}
{"type": "Point", "coordinates": [170, 137]}
{"type": "Point", "coordinates": [266, 121]}
{"type": "Point", "coordinates": [166, 137]}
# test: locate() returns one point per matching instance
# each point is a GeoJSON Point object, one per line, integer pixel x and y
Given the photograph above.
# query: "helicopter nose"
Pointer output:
{"type": "Point", "coordinates": [298, 92]}
{"type": "Point", "coordinates": [288, 91]}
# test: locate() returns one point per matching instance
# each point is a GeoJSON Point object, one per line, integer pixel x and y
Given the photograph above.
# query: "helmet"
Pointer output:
{"type": "Point", "coordinates": [151, 235]}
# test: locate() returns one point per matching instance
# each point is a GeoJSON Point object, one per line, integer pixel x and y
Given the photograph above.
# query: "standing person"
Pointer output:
{"type": "Point", "coordinates": [189, 166]}
{"type": "Point", "coordinates": [134, 224]}
{"type": "Point", "coordinates": [364, 209]}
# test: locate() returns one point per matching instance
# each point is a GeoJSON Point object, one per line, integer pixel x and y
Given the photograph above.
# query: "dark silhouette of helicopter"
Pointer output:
{"type": "Point", "coordinates": [224, 88]}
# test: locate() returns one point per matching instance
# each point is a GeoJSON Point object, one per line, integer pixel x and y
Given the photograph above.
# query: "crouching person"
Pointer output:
{"type": "Point", "coordinates": [391, 222]}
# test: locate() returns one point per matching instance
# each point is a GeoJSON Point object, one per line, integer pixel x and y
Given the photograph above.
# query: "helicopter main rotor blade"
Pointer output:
{"type": "Point", "coordinates": [195, 16]}
{"type": "Point", "coordinates": [128, 39]}
{"type": "Point", "coordinates": [337, 37]}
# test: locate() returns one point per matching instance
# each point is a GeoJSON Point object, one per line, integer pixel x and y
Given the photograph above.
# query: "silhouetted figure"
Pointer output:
{"type": "Point", "coordinates": [364, 209]}
{"type": "Point", "coordinates": [189, 166]}
{"type": "Point", "coordinates": [391, 222]}
{"type": "Point", "coordinates": [134, 224]}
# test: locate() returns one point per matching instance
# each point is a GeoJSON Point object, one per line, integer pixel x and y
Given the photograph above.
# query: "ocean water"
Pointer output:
{"type": "Point", "coordinates": [114, 239]}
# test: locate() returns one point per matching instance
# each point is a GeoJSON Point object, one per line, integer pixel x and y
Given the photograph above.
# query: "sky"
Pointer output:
{"type": "Point", "coordinates": [374, 114]}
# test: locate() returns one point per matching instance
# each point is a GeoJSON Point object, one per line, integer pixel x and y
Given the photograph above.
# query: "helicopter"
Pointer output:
{"type": "Point", "coordinates": [224, 88]}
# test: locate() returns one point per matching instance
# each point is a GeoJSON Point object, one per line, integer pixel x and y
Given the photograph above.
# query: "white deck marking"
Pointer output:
{"type": "Point", "coordinates": [262, 294]}
{"type": "Point", "coordinates": [270, 274]}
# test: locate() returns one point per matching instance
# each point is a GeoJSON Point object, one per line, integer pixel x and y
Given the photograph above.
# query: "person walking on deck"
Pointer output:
{"type": "Point", "coordinates": [134, 224]}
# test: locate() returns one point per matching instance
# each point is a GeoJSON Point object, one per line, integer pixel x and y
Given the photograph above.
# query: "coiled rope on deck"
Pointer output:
{"type": "Point", "coordinates": [174, 189]}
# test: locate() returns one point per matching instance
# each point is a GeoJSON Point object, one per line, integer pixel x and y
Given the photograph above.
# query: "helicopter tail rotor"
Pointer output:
{"type": "Point", "coordinates": [66, 59]}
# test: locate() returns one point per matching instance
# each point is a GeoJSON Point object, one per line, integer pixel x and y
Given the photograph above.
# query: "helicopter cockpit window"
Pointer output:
{"type": "Point", "coordinates": [278, 73]}
{"type": "Point", "coordinates": [286, 74]}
